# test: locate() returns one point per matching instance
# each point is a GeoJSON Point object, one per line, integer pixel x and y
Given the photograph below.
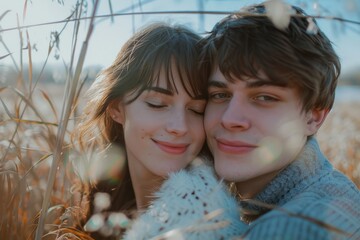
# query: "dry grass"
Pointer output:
{"type": "Point", "coordinates": [339, 138]}
{"type": "Point", "coordinates": [28, 138]}
{"type": "Point", "coordinates": [35, 170]}
{"type": "Point", "coordinates": [25, 167]}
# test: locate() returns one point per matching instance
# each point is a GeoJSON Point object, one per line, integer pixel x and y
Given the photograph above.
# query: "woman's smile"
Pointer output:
{"type": "Point", "coordinates": [171, 148]}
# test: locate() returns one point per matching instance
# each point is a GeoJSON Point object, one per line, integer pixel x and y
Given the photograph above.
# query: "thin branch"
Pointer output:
{"type": "Point", "coordinates": [168, 12]}
{"type": "Point", "coordinates": [32, 90]}
{"type": "Point", "coordinates": [62, 127]}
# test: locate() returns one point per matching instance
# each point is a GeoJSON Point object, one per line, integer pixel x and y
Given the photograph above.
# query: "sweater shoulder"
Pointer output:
{"type": "Point", "coordinates": [281, 225]}
{"type": "Point", "coordinates": [328, 207]}
{"type": "Point", "coordinates": [333, 190]}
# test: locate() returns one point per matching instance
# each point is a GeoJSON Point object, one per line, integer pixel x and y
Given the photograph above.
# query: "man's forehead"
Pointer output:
{"type": "Point", "coordinates": [259, 79]}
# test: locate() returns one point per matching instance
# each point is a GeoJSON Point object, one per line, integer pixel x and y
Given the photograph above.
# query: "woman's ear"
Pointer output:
{"type": "Point", "coordinates": [116, 111]}
{"type": "Point", "coordinates": [315, 119]}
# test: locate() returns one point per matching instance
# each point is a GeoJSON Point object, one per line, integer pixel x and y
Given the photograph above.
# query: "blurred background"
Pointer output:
{"type": "Point", "coordinates": [45, 21]}
{"type": "Point", "coordinates": [45, 67]}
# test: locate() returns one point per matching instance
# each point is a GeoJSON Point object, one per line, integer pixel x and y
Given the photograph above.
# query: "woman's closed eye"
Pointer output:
{"type": "Point", "coordinates": [197, 107]}
{"type": "Point", "coordinates": [155, 105]}
{"type": "Point", "coordinates": [197, 110]}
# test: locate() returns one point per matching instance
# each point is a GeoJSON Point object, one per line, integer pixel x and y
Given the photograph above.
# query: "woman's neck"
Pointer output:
{"type": "Point", "coordinates": [145, 184]}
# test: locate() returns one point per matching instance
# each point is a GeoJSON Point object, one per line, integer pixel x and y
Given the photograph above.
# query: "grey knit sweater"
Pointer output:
{"type": "Point", "coordinates": [312, 201]}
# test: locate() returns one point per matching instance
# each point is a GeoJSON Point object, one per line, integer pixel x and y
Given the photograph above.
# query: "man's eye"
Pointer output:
{"type": "Point", "coordinates": [219, 96]}
{"type": "Point", "coordinates": [266, 98]}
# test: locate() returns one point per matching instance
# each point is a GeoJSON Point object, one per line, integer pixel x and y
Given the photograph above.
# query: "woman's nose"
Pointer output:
{"type": "Point", "coordinates": [177, 123]}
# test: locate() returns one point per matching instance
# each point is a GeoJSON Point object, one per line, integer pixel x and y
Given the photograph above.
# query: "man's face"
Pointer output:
{"type": "Point", "coordinates": [254, 128]}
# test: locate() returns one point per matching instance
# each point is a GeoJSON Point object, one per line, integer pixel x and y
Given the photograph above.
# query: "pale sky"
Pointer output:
{"type": "Point", "coordinates": [108, 36]}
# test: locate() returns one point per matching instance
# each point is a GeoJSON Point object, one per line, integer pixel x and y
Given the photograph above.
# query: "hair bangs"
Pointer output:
{"type": "Point", "coordinates": [252, 58]}
{"type": "Point", "coordinates": [174, 51]}
{"type": "Point", "coordinates": [179, 57]}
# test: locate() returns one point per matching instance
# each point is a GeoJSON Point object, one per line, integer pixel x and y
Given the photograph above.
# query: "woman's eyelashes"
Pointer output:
{"type": "Point", "coordinates": [198, 109]}
{"type": "Point", "coordinates": [155, 105]}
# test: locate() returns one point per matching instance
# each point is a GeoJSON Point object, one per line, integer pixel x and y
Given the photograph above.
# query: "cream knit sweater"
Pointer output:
{"type": "Point", "coordinates": [191, 204]}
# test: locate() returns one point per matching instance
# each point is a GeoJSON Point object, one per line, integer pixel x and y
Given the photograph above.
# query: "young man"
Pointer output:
{"type": "Point", "coordinates": [270, 90]}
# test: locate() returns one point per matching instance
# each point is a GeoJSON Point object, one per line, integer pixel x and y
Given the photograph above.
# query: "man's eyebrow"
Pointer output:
{"type": "Point", "coordinates": [160, 90]}
{"type": "Point", "coordinates": [261, 83]}
{"type": "Point", "coordinates": [217, 84]}
{"type": "Point", "coordinates": [249, 84]}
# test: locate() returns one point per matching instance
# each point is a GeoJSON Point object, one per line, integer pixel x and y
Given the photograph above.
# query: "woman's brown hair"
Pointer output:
{"type": "Point", "coordinates": [136, 67]}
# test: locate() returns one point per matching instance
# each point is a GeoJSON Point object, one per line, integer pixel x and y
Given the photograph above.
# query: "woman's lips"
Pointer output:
{"type": "Point", "coordinates": [171, 147]}
{"type": "Point", "coordinates": [234, 147]}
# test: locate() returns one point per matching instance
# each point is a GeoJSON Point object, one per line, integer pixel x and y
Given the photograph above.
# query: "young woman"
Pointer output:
{"type": "Point", "coordinates": [144, 117]}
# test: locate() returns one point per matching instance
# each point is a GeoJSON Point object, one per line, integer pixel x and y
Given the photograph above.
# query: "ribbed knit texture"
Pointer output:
{"type": "Point", "coordinates": [193, 204]}
{"type": "Point", "coordinates": [313, 201]}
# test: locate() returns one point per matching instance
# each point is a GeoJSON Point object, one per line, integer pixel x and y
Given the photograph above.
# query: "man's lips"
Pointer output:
{"type": "Point", "coordinates": [171, 148]}
{"type": "Point", "coordinates": [234, 147]}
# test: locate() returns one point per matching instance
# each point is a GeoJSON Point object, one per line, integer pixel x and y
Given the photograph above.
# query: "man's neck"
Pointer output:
{"type": "Point", "coordinates": [248, 189]}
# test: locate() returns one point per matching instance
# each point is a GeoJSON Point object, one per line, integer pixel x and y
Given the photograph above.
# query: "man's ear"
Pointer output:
{"type": "Point", "coordinates": [315, 119]}
{"type": "Point", "coordinates": [116, 111]}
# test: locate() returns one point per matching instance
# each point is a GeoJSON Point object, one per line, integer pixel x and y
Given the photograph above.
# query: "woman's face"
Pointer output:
{"type": "Point", "coordinates": [163, 129]}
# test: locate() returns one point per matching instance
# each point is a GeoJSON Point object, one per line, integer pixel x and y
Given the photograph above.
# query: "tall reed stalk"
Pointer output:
{"type": "Point", "coordinates": [71, 87]}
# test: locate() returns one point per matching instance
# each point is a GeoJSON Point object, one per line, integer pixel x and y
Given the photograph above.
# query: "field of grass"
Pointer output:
{"type": "Point", "coordinates": [339, 138]}
{"type": "Point", "coordinates": [28, 139]}
{"type": "Point", "coordinates": [28, 129]}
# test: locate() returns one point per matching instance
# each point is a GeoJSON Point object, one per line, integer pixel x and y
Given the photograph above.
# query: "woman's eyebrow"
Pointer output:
{"type": "Point", "coordinates": [160, 90]}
